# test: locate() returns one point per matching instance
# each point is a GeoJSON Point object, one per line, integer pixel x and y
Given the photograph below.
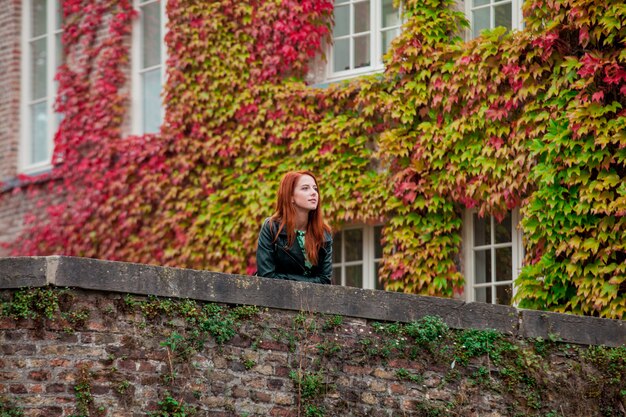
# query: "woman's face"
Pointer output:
{"type": "Point", "coordinates": [305, 194]}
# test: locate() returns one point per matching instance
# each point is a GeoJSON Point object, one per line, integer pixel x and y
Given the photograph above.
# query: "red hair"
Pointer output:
{"type": "Point", "coordinates": [285, 216]}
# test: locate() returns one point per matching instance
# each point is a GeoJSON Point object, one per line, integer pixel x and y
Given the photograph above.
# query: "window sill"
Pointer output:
{"type": "Point", "coordinates": [28, 177]}
{"type": "Point", "coordinates": [348, 77]}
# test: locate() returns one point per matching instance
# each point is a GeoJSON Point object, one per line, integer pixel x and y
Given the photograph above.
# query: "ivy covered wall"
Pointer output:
{"type": "Point", "coordinates": [533, 119]}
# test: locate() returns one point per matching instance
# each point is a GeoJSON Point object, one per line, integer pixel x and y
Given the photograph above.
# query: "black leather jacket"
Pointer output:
{"type": "Point", "coordinates": [274, 259]}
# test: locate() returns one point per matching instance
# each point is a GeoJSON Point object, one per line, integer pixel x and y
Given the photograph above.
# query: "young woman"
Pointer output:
{"type": "Point", "coordinates": [295, 243]}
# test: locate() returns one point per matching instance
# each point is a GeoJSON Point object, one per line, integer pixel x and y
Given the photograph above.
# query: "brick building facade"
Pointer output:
{"type": "Point", "coordinates": [11, 209]}
{"type": "Point", "coordinates": [485, 255]}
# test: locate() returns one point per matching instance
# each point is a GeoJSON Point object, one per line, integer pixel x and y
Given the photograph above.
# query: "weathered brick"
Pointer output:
{"type": "Point", "coordinates": [56, 388]}
{"type": "Point", "coordinates": [9, 376]}
{"type": "Point", "coordinates": [275, 384]}
{"type": "Point", "coordinates": [384, 374]}
{"type": "Point", "coordinates": [283, 399]}
{"type": "Point", "coordinates": [57, 362]}
{"type": "Point", "coordinates": [261, 396]}
{"type": "Point", "coordinates": [281, 371]}
{"type": "Point", "coordinates": [100, 389]}
{"type": "Point", "coordinates": [271, 345]}
{"type": "Point", "coordinates": [50, 412]}
{"type": "Point", "coordinates": [127, 364]}
{"type": "Point", "coordinates": [255, 382]}
{"type": "Point", "coordinates": [13, 336]}
{"type": "Point", "coordinates": [239, 341]}
{"type": "Point", "coordinates": [18, 349]}
{"type": "Point", "coordinates": [221, 376]}
{"type": "Point", "coordinates": [18, 389]}
{"type": "Point", "coordinates": [149, 380]}
{"type": "Point", "coordinates": [404, 363]}
{"type": "Point", "coordinates": [239, 392]}
{"type": "Point", "coordinates": [145, 366]}
{"type": "Point", "coordinates": [282, 412]}
{"type": "Point", "coordinates": [397, 389]}
{"type": "Point", "coordinates": [218, 387]}
{"type": "Point", "coordinates": [213, 402]}
{"type": "Point", "coordinates": [40, 375]}
{"type": "Point", "coordinates": [378, 386]}
{"type": "Point", "coordinates": [220, 362]}
{"type": "Point", "coordinates": [265, 369]}
{"type": "Point", "coordinates": [35, 388]}
{"type": "Point", "coordinates": [357, 370]}
{"type": "Point", "coordinates": [274, 357]}
{"type": "Point", "coordinates": [236, 366]}
{"type": "Point", "coordinates": [368, 398]}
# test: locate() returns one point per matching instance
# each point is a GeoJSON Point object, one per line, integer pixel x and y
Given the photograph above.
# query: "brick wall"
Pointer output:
{"type": "Point", "coordinates": [12, 209]}
{"type": "Point", "coordinates": [112, 354]}
{"type": "Point", "coordinates": [10, 33]}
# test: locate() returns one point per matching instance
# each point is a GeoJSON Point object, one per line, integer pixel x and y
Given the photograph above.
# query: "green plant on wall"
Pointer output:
{"type": "Point", "coordinates": [8, 409]}
{"type": "Point", "coordinates": [532, 119]}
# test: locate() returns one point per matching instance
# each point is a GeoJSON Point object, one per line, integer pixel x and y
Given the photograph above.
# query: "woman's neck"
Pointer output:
{"type": "Point", "coordinates": [302, 219]}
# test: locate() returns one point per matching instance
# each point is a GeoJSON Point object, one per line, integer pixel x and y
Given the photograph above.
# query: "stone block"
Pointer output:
{"type": "Point", "coordinates": [22, 272]}
{"type": "Point", "coordinates": [573, 329]}
{"type": "Point", "coordinates": [485, 316]}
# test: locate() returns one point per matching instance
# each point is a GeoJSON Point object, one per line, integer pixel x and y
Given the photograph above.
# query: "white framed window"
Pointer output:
{"type": "Point", "coordinates": [357, 252]}
{"type": "Point", "coordinates": [42, 53]}
{"type": "Point", "coordinates": [148, 66]}
{"type": "Point", "coordinates": [493, 254]}
{"type": "Point", "coordinates": [362, 34]}
{"type": "Point", "coordinates": [489, 14]}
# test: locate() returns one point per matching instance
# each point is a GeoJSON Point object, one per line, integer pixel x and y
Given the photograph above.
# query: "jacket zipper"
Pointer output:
{"type": "Point", "coordinates": [293, 259]}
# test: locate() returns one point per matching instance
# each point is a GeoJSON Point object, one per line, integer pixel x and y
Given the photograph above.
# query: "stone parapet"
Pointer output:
{"type": "Point", "coordinates": [122, 277]}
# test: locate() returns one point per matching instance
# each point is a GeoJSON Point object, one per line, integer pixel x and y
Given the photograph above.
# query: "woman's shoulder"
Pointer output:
{"type": "Point", "coordinates": [272, 224]}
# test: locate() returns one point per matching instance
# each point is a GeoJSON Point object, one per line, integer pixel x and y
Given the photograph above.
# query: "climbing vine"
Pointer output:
{"type": "Point", "coordinates": [532, 119]}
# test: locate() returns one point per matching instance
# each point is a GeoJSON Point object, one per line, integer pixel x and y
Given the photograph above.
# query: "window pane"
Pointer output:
{"type": "Point", "coordinates": [39, 64]}
{"type": "Point", "coordinates": [39, 132]}
{"type": "Point", "coordinates": [353, 245]}
{"type": "Point", "coordinates": [504, 294]}
{"type": "Point", "coordinates": [482, 230]}
{"type": "Point", "coordinates": [387, 37]}
{"type": "Point", "coordinates": [361, 51]}
{"type": "Point", "coordinates": [341, 1]}
{"type": "Point", "coordinates": [482, 266]}
{"type": "Point", "coordinates": [342, 21]}
{"type": "Point", "coordinates": [378, 246]}
{"type": "Point", "coordinates": [59, 14]}
{"type": "Point", "coordinates": [59, 51]}
{"type": "Point", "coordinates": [336, 280]}
{"type": "Point", "coordinates": [341, 55]}
{"type": "Point", "coordinates": [390, 15]}
{"type": "Point", "coordinates": [362, 17]}
{"type": "Point", "coordinates": [504, 264]}
{"type": "Point", "coordinates": [152, 101]}
{"type": "Point", "coordinates": [504, 15]}
{"type": "Point", "coordinates": [377, 284]}
{"type": "Point", "coordinates": [151, 35]}
{"type": "Point", "coordinates": [479, 2]}
{"type": "Point", "coordinates": [354, 276]}
{"type": "Point", "coordinates": [483, 295]}
{"type": "Point", "coordinates": [337, 248]}
{"type": "Point", "coordinates": [480, 20]}
{"type": "Point", "coordinates": [503, 230]}
{"type": "Point", "coordinates": [39, 19]}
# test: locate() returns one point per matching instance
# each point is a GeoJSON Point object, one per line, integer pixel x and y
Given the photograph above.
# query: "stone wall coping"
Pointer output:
{"type": "Point", "coordinates": [132, 278]}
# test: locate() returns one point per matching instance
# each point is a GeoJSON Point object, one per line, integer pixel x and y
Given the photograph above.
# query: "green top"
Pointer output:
{"type": "Point", "coordinates": [300, 235]}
